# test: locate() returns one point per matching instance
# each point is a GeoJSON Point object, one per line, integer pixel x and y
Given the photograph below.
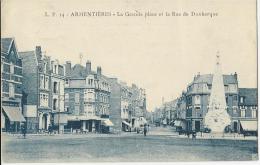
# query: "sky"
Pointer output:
{"type": "Point", "coordinates": [159, 53]}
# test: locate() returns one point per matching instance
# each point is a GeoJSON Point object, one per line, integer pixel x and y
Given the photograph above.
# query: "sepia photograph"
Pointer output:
{"type": "Point", "coordinates": [103, 81]}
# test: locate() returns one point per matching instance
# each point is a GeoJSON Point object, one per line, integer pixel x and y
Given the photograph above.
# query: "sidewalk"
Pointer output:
{"type": "Point", "coordinates": [7, 136]}
{"type": "Point", "coordinates": [219, 136]}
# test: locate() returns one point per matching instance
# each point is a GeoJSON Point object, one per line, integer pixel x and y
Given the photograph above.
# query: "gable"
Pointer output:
{"type": "Point", "coordinates": [10, 51]}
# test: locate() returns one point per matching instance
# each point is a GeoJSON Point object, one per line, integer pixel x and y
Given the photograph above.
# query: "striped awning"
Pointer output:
{"type": "Point", "coordinates": [126, 123]}
{"type": "Point", "coordinates": [107, 123]}
{"type": "Point", "coordinates": [13, 113]}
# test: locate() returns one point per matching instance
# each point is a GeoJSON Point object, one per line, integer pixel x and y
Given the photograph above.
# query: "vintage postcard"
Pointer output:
{"type": "Point", "coordinates": [128, 81]}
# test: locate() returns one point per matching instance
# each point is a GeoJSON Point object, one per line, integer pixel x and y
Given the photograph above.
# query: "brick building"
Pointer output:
{"type": "Point", "coordinates": [11, 89]}
{"type": "Point", "coordinates": [87, 95]}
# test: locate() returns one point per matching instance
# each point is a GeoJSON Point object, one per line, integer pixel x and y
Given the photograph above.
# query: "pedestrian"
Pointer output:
{"type": "Point", "coordinates": [23, 129]}
{"type": "Point", "coordinates": [49, 129]}
{"type": "Point", "coordinates": [145, 129]}
{"type": "Point", "coordinates": [194, 135]}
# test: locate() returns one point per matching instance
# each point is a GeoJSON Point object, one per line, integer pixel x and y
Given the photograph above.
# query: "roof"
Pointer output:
{"type": "Point", "coordinates": [208, 78]}
{"type": "Point", "coordinates": [29, 55]}
{"type": "Point", "coordinates": [78, 71]}
{"type": "Point", "coordinates": [250, 95]}
{"type": "Point", "coordinates": [6, 44]}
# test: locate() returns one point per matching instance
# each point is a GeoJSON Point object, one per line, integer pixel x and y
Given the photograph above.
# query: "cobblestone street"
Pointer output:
{"type": "Point", "coordinates": [161, 144]}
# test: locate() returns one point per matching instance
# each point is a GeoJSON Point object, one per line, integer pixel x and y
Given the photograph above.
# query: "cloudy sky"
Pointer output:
{"type": "Point", "coordinates": [161, 54]}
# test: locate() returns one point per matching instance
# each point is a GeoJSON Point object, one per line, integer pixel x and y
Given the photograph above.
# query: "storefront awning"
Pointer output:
{"type": "Point", "coordinates": [13, 113]}
{"type": "Point", "coordinates": [126, 123]}
{"type": "Point", "coordinates": [179, 123]}
{"type": "Point", "coordinates": [249, 125]}
{"type": "Point", "coordinates": [107, 123]}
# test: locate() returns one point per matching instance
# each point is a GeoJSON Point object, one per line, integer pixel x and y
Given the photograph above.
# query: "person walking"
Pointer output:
{"type": "Point", "coordinates": [145, 129]}
{"type": "Point", "coordinates": [23, 129]}
{"type": "Point", "coordinates": [49, 129]}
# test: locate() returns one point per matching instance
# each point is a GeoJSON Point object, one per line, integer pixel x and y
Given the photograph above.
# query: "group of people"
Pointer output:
{"type": "Point", "coordinates": [24, 130]}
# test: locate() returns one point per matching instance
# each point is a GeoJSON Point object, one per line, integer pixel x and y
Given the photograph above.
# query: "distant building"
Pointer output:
{"type": "Point", "coordinates": [11, 89]}
{"type": "Point", "coordinates": [120, 105]}
{"type": "Point", "coordinates": [87, 95]}
{"type": "Point", "coordinates": [44, 88]}
{"type": "Point", "coordinates": [127, 106]}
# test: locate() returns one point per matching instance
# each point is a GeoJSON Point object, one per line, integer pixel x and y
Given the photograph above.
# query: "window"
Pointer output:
{"type": "Point", "coordinates": [226, 100]}
{"type": "Point", "coordinates": [66, 97]}
{"type": "Point", "coordinates": [243, 113]}
{"type": "Point", "coordinates": [76, 112]}
{"type": "Point", "coordinates": [45, 68]}
{"type": "Point", "coordinates": [12, 68]}
{"type": "Point", "coordinates": [66, 109]}
{"type": "Point", "coordinates": [46, 83]}
{"type": "Point", "coordinates": [242, 100]}
{"type": "Point", "coordinates": [197, 99]}
{"type": "Point", "coordinates": [235, 97]}
{"type": "Point", "coordinates": [55, 104]}
{"type": "Point", "coordinates": [253, 113]}
{"type": "Point", "coordinates": [77, 97]}
{"type": "Point", "coordinates": [11, 90]}
{"type": "Point", "coordinates": [226, 87]}
{"type": "Point", "coordinates": [55, 69]}
{"type": "Point", "coordinates": [55, 87]}
{"type": "Point", "coordinates": [66, 81]}
{"type": "Point", "coordinates": [42, 82]}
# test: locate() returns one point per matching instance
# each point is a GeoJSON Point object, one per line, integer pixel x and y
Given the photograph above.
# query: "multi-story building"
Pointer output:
{"type": "Point", "coordinates": [57, 85]}
{"type": "Point", "coordinates": [198, 94]}
{"type": "Point", "coordinates": [245, 117]}
{"type": "Point", "coordinates": [128, 106]}
{"type": "Point", "coordinates": [87, 95]}
{"type": "Point", "coordinates": [120, 105]}
{"type": "Point", "coordinates": [11, 89]}
{"type": "Point", "coordinates": [43, 87]}
{"type": "Point", "coordinates": [138, 102]}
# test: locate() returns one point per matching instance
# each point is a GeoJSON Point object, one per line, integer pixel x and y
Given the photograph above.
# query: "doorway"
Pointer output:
{"type": "Point", "coordinates": [197, 126]}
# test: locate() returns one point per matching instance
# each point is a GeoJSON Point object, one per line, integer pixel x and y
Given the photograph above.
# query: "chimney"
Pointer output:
{"type": "Point", "coordinates": [88, 66]}
{"type": "Point", "coordinates": [99, 71]}
{"type": "Point", "coordinates": [68, 68]}
{"type": "Point", "coordinates": [38, 51]}
{"type": "Point", "coordinates": [235, 75]}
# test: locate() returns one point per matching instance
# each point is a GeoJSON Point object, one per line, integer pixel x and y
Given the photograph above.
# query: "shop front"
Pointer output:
{"type": "Point", "coordinates": [11, 119]}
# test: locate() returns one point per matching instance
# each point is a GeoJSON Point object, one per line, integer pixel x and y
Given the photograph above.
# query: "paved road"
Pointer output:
{"type": "Point", "coordinates": [158, 146]}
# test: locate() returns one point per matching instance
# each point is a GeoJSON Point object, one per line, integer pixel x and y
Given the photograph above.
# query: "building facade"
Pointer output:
{"type": "Point", "coordinates": [193, 105]}
{"type": "Point", "coordinates": [197, 99]}
{"type": "Point", "coordinates": [87, 97]}
{"type": "Point", "coordinates": [245, 117]}
{"type": "Point", "coordinates": [44, 90]}
{"type": "Point", "coordinates": [11, 89]}
{"type": "Point", "coordinates": [128, 106]}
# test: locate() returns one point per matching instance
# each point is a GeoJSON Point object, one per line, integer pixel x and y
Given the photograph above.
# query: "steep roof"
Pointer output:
{"type": "Point", "coordinates": [6, 44]}
{"type": "Point", "coordinates": [78, 71]}
{"type": "Point", "coordinates": [208, 78]}
{"type": "Point", "coordinates": [29, 55]}
{"type": "Point", "coordinates": [250, 95]}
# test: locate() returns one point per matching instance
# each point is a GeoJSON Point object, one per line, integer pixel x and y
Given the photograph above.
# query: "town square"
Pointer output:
{"type": "Point", "coordinates": [128, 81]}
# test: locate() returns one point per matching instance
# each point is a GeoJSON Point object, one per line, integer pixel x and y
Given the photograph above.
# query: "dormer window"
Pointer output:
{"type": "Point", "coordinates": [242, 100]}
